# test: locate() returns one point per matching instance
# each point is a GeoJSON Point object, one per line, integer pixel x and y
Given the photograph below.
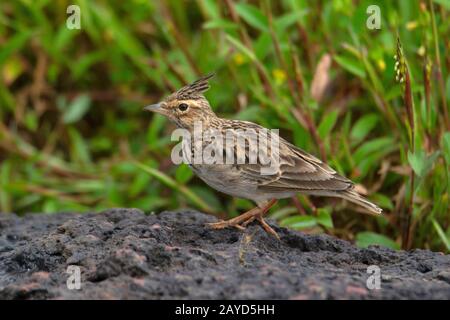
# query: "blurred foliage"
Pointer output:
{"type": "Point", "coordinates": [73, 136]}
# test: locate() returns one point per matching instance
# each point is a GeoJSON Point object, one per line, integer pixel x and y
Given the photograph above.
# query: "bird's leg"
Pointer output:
{"type": "Point", "coordinates": [248, 221]}
{"type": "Point", "coordinates": [263, 222]}
{"type": "Point", "coordinates": [246, 218]}
{"type": "Point", "coordinates": [266, 227]}
{"type": "Point", "coordinates": [235, 222]}
{"type": "Point", "coordinates": [264, 210]}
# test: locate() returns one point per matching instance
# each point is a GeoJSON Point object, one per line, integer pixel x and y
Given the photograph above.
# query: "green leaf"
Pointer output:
{"type": "Point", "coordinates": [220, 24]}
{"type": "Point", "coordinates": [441, 234]}
{"type": "Point", "coordinates": [363, 126]}
{"type": "Point", "coordinates": [150, 203]}
{"type": "Point", "coordinates": [283, 212]}
{"type": "Point", "coordinates": [63, 37]}
{"type": "Point", "coordinates": [252, 15]}
{"type": "Point", "coordinates": [168, 181]}
{"type": "Point", "coordinates": [420, 162]}
{"type": "Point", "coordinates": [85, 62]}
{"type": "Point", "coordinates": [288, 19]}
{"type": "Point", "coordinates": [324, 217]}
{"type": "Point", "coordinates": [209, 196]}
{"type": "Point", "coordinates": [351, 65]}
{"type": "Point", "coordinates": [444, 3]}
{"type": "Point", "coordinates": [241, 47]}
{"type": "Point", "coordinates": [153, 132]}
{"type": "Point", "coordinates": [5, 196]}
{"type": "Point", "coordinates": [50, 205]}
{"type": "Point", "coordinates": [372, 75]}
{"type": "Point", "coordinates": [211, 8]}
{"type": "Point", "coordinates": [31, 120]}
{"type": "Point", "coordinates": [89, 185]}
{"type": "Point", "coordinates": [183, 173]}
{"type": "Point", "coordinates": [299, 222]}
{"type": "Point", "coordinates": [366, 238]}
{"type": "Point", "coordinates": [77, 109]}
{"type": "Point", "coordinates": [14, 44]}
{"type": "Point", "coordinates": [382, 200]}
{"type": "Point", "coordinates": [79, 149]}
{"type": "Point", "coordinates": [139, 184]}
{"type": "Point", "coordinates": [447, 87]}
{"type": "Point", "coordinates": [263, 45]}
{"type": "Point", "coordinates": [243, 204]}
{"type": "Point", "coordinates": [446, 146]}
{"type": "Point", "coordinates": [327, 124]}
{"type": "Point", "coordinates": [123, 38]}
{"type": "Point", "coordinates": [248, 114]}
{"type": "Point", "coordinates": [379, 146]}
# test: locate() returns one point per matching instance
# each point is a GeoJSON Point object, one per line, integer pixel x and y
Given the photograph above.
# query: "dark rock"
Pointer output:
{"type": "Point", "coordinates": [124, 254]}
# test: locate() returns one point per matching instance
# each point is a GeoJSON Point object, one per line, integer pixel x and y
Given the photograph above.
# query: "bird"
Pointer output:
{"type": "Point", "coordinates": [297, 172]}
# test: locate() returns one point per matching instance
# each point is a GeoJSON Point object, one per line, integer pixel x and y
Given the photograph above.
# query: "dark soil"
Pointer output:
{"type": "Point", "coordinates": [124, 254]}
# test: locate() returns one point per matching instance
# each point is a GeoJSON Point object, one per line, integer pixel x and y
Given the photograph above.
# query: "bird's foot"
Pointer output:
{"type": "Point", "coordinates": [238, 222]}
{"type": "Point", "coordinates": [263, 223]}
{"type": "Point", "coordinates": [242, 224]}
{"type": "Point", "coordinates": [242, 221]}
{"type": "Point", "coordinates": [266, 227]}
{"type": "Point", "coordinates": [224, 224]}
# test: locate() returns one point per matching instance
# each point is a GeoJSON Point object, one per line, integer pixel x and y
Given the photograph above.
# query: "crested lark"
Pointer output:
{"type": "Point", "coordinates": [296, 171]}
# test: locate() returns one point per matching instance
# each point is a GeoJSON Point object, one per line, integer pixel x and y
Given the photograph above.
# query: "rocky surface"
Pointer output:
{"type": "Point", "coordinates": [124, 254]}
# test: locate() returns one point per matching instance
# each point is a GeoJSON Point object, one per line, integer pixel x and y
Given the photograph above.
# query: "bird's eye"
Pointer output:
{"type": "Point", "coordinates": [183, 106]}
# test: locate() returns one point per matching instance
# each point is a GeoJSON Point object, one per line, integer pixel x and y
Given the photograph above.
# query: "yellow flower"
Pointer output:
{"type": "Point", "coordinates": [381, 65]}
{"type": "Point", "coordinates": [239, 59]}
{"type": "Point", "coordinates": [421, 51]}
{"type": "Point", "coordinates": [279, 75]}
{"type": "Point", "coordinates": [411, 25]}
{"type": "Point", "coordinates": [12, 69]}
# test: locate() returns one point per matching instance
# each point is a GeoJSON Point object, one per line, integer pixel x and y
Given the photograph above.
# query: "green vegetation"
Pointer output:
{"type": "Point", "coordinates": [73, 136]}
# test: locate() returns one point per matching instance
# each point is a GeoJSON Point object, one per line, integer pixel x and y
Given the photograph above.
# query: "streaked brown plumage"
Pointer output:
{"type": "Point", "coordinates": [298, 171]}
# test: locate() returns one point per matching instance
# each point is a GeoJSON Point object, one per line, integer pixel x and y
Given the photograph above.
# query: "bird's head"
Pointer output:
{"type": "Point", "coordinates": [187, 105]}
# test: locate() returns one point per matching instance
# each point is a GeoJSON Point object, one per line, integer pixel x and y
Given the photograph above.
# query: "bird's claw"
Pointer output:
{"type": "Point", "coordinates": [241, 225]}
{"type": "Point", "coordinates": [224, 224]}
{"type": "Point", "coordinates": [267, 227]}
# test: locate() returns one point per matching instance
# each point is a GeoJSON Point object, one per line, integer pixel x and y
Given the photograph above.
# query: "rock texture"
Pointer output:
{"type": "Point", "coordinates": [124, 254]}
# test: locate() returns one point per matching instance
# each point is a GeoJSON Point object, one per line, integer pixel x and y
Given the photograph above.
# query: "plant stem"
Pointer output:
{"type": "Point", "coordinates": [439, 68]}
{"type": "Point", "coordinates": [247, 42]}
{"type": "Point", "coordinates": [303, 113]}
{"type": "Point", "coordinates": [296, 94]}
{"type": "Point", "coordinates": [409, 103]}
{"type": "Point", "coordinates": [180, 39]}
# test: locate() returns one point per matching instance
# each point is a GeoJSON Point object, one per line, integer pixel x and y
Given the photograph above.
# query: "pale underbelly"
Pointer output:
{"type": "Point", "coordinates": [226, 179]}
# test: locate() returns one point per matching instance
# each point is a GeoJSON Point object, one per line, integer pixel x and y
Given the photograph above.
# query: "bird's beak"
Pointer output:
{"type": "Point", "coordinates": [154, 108]}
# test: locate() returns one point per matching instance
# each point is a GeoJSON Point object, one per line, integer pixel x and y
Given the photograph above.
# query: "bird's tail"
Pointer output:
{"type": "Point", "coordinates": [353, 196]}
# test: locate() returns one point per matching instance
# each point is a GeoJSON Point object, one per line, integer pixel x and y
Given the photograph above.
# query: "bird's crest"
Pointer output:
{"type": "Point", "coordinates": [194, 90]}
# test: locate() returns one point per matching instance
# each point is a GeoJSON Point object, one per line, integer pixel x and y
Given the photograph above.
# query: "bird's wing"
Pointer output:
{"type": "Point", "coordinates": [296, 170]}
{"type": "Point", "coordinates": [299, 170]}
